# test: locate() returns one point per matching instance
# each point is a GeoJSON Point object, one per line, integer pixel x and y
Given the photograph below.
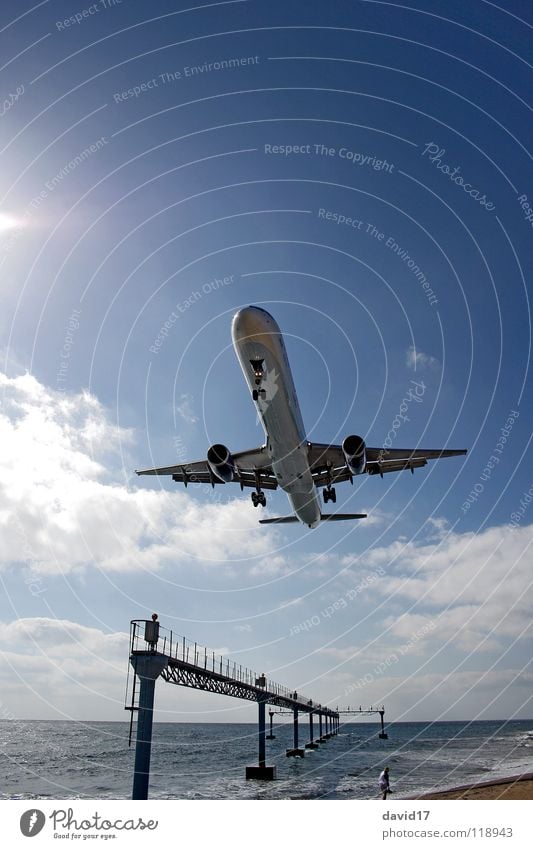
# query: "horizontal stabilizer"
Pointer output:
{"type": "Point", "coordinates": [279, 520]}
{"type": "Point", "coordinates": [340, 517]}
{"type": "Point", "coordinates": [325, 517]}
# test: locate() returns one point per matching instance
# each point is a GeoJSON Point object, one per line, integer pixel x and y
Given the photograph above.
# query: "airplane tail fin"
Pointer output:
{"type": "Point", "coordinates": [325, 517]}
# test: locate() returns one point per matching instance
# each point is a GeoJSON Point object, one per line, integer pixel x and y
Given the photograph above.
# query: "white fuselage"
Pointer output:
{"type": "Point", "coordinates": [257, 338]}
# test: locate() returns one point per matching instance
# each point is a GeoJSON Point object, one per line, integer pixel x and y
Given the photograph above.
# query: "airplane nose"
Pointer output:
{"type": "Point", "coordinates": [252, 321]}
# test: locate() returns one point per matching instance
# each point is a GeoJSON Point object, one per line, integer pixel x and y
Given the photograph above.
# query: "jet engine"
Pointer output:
{"type": "Point", "coordinates": [221, 462]}
{"type": "Point", "coordinates": [354, 450]}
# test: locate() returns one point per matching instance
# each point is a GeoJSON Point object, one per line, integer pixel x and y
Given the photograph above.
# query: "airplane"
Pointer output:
{"type": "Point", "coordinates": [288, 459]}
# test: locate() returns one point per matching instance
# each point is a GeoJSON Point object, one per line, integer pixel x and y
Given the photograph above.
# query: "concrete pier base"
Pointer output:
{"type": "Point", "coordinates": [311, 745]}
{"type": "Point", "coordinates": [271, 737]}
{"type": "Point", "coordinates": [262, 773]}
{"type": "Point", "coordinates": [383, 736]}
{"type": "Point", "coordinates": [295, 753]}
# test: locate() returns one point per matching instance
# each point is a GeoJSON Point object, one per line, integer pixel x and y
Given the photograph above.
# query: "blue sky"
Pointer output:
{"type": "Point", "coordinates": [360, 169]}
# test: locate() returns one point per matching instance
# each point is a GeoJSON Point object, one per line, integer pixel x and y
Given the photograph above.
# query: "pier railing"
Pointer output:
{"type": "Point", "coordinates": [178, 648]}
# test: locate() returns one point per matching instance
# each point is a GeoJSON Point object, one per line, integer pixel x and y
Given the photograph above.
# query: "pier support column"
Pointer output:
{"type": "Point", "coordinates": [270, 735]}
{"type": "Point", "coordinates": [382, 734]}
{"type": "Point", "coordinates": [262, 771]}
{"type": "Point", "coordinates": [295, 752]}
{"type": "Point", "coordinates": [320, 738]}
{"type": "Point", "coordinates": [148, 668]}
{"type": "Point", "coordinates": [262, 734]}
{"type": "Point", "coordinates": [311, 744]}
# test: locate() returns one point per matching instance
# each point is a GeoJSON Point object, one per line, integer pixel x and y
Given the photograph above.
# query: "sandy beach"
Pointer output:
{"type": "Point", "coordinates": [511, 787]}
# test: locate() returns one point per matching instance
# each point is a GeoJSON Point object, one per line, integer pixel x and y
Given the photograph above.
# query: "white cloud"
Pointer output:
{"type": "Point", "coordinates": [477, 588]}
{"type": "Point", "coordinates": [62, 507]}
{"type": "Point", "coordinates": [185, 409]}
{"type": "Point", "coordinates": [417, 359]}
{"type": "Point", "coordinates": [57, 668]}
{"type": "Point", "coordinates": [474, 693]}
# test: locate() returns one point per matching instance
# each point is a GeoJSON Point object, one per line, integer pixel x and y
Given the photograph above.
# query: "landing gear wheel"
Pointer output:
{"type": "Point", "coordinates": [330, 495]}
{"type": "Point", "coordinates": [258, 498]}
{"type": "Point", "coordinates": [255, 395]}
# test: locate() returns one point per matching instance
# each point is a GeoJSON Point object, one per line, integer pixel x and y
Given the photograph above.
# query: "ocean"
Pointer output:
{"type": "Point", "coordinates": [91, 760]}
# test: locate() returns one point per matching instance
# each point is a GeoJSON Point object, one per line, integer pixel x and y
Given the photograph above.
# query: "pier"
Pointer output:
{"type": "Point", "coordinates": [367, 712]}
{"type": "Point", "coordinates": [296, 752]}
{"type": "Point", "coordinates": [156, 652]}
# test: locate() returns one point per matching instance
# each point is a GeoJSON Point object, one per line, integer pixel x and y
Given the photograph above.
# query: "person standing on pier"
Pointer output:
{"type": "Point", "coordinates": [384, 785]}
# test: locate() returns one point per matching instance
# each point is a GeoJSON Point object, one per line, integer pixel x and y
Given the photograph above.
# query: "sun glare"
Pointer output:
{"type": "Point", "coordinates": [8, 222]}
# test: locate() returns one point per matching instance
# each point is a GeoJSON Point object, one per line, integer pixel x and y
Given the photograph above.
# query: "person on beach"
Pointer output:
{"type": "Point", "coordinates": [384, 785]}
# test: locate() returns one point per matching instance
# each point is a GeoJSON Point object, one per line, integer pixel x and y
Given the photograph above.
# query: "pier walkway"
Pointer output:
{"type": "Point", "coordinates": [156, 652]}
{"type": "Point", "coordinates": [341, 712]}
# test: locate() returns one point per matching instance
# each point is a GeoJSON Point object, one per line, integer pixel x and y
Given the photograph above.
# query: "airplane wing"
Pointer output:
{"type": "Point", "coordinates": [251, 467]}
{"type": "Point", "coordinates": [328, 464]}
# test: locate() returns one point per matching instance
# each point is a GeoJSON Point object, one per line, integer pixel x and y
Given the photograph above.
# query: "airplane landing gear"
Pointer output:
{"type": "Point", "coordinates": [330, 495]}
{"type": "Point", "coordinates": [259, 372]}
{"type": "Point", "coordinates": [258, 498]}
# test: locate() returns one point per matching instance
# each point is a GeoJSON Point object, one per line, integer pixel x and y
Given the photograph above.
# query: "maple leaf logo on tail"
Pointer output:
{"type": "Point", "coordinates": [269, 388]}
